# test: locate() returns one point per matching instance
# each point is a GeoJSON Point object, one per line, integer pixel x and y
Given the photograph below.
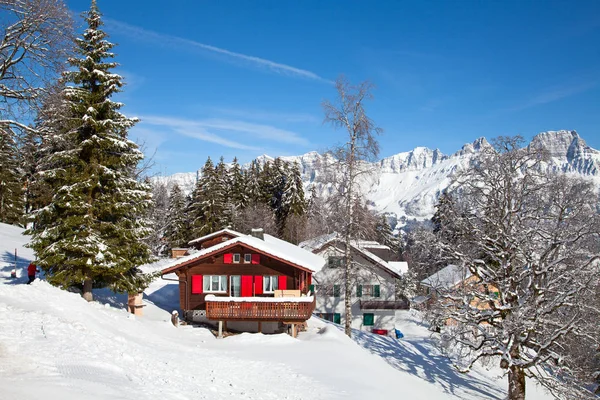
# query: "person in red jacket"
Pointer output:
{"type": "Point", "coordinates": [31, 270]}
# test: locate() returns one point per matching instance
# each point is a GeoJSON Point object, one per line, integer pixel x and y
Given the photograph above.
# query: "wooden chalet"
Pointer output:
{"type": "Point", "coordinates": [248, 282]}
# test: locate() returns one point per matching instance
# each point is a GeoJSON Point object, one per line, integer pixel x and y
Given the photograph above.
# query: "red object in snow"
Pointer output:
{"type": "Point", "coordinates": [380, 331]}
{"type": "Point", "coordinates": [31, 269]}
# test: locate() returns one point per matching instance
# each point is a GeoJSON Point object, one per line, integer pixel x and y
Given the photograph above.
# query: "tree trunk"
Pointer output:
{"type": "Point", "coordinates": [516, 383]}
{"type": "Point", "coordinates": [87, 290]}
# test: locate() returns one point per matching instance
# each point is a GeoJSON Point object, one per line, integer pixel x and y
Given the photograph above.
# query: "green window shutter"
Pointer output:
{"type": "Point", "coordinates": [368, 319]}
{"type": "Point", "coordinates": [311, 288]}
{"type": "Point", "coordinates": [359, 290]}
{"type": "Point", "coordinates": [336, 290]}
{"type": "Point", "coordinates": [376, 291]}
{"type": "Point", "coordinates": [337, 318]}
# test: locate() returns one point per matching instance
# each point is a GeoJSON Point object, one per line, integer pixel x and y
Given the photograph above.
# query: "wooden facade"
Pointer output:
{"type": "Point", "coordinates": [247, 267]}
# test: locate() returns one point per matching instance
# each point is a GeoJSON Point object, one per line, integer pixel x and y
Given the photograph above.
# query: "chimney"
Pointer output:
{"type": "Point", "coordinates": [178, 252]}
{"type": "Point", "coordinates": [258, 233]}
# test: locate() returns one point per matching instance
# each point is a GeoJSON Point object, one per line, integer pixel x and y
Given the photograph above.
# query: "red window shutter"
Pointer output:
{"type": "Point", "coordinates": [258, 284]}
{"type": "Point", "coordinates": [255, 258]}
{"type": "Point", "coordinates": [246, 290]}
{"type": "Point", "coordinates": [228, 258]}
{"type": "Point", "coordinates": [196, 284]}
{"type": "Point", "coordinates": [282, 282]}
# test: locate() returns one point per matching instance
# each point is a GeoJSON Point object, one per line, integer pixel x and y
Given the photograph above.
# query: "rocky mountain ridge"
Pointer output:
{"type": "Point", "coordinates": [408, 184]}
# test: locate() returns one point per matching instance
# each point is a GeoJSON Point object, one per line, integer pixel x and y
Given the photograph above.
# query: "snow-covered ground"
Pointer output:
{"type": "Point", "coordinates": [55, 345]}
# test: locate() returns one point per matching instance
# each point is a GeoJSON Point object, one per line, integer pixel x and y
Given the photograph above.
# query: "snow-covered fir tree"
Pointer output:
{"type": "Point", "coordinates": [11, 193]}
{"type": "Point", "coordinates": [177, 228]}
{"type": "Point", "coordinates": [223, 192]}
{"type": "Point", "coordinates": [252, 182]}
{"type": "Point", "coordinates": [159, 214]}
{"type": "Point", "coordinates": [91, 233]}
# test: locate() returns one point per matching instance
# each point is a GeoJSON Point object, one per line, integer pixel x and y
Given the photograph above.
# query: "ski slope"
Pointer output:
{"type": "Point", "coordinates": [55, 345]}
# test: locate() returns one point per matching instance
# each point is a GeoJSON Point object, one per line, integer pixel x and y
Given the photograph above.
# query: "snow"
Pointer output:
{"type": "Point", "coordinates": [269, 245]}
{"type": "Point", "coordinates": [55, 345]}
{"type": "Point", "coordinates": [446, 278]}
{"type": "Point", "coordinates": [361, 246]}
{"type": "Point", "coordinates": [305, 299]}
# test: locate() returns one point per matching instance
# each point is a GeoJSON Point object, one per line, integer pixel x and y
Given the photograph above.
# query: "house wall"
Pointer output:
{"type": "Point", "coordinates": [215, 266]}
{"type": "Point", "coordinates": [367, 275]}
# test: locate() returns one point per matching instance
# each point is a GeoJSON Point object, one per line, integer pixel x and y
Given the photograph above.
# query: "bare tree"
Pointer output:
{"type": "Point", "coordinates": [348, 112]}
{"type": "Point", "coordinates": [36, 36]}
{"type": "Point", "coordinates": [525, 238]}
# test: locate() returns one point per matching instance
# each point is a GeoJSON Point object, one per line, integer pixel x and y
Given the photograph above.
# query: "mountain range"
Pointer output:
{"type": "Point", "coordinates": [407, 185]}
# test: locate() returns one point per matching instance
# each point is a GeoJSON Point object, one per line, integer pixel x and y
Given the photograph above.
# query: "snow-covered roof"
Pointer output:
{"type": "Point", "coordinates": [400, 266]}
{"type": "Point", "coordinates": [215, 234]}
{"type": "Point", "coordinates": [361, 246]}
{"type": "Point", "coordinates": [318, 242]}
{"type": "Point", "coordinates": [446, 278]}
{"type": "Point", "coordinates": [270, 245]}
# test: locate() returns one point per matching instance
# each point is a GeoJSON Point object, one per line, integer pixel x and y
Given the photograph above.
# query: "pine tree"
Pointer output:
{"type": "Point", "coordinates": [253, 183]}
{"type": "Point", "coordinates": [222, 192]}
{"type": "Point", "coordinates": [92, 230]}
{"type": "Point", "coordinates": [11, 199]}
{"type": "Point", "coordinates": [176, 232]}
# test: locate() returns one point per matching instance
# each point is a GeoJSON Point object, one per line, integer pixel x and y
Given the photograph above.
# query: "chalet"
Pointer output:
{"type": "Point", "coordinates": [245, 282]}
{"type": "Point", "coordinates": [374, 300]}
{"type": "Point", "coordinates": [451, 278]}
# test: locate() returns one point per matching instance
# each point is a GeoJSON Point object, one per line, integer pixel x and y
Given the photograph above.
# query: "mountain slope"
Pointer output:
{"type": "Point", "coordinates": [408, 184]}
{"type": "Point", "coordinates": [55, 345]}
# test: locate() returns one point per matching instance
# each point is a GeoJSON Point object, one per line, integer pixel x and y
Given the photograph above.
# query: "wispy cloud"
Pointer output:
{"type": "Point", "coordinates": [554, 94]}
{"type": "Point", "coordinates": [204, 130]}
{"type": "Point", "coordinates": [260, 115]}
{"type": "Point", "coordinates": [165, 39]}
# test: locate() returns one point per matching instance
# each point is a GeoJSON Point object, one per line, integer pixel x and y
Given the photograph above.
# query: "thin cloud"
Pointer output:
{"type": "Point", "coordinates": [257, 130]}
{"type": "Point", "coordinates": [554, 94]}
{"type": "Point", "coordinates": [156, 37]}
{"type": "Point", "coordinates": [267, 116]}
{"type": "Point", "coordinates": [201, 129]}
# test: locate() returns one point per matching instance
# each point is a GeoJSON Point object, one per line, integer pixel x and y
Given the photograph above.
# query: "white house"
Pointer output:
{"type": "Point", "coordinates": [373, 280]}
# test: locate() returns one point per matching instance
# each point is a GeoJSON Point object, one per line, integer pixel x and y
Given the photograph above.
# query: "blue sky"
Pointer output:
{"type": "Point", "coordinates": [241, 78]}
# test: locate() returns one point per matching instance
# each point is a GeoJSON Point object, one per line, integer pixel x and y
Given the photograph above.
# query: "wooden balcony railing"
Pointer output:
{"type": "Point", "coordinates": [261, 310]}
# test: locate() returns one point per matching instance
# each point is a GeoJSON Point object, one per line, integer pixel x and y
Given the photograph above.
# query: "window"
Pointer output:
{"type": "Point", "coordinates": [247, 258]}
{"type": "Point", "coordinates": [270, 283]}
{"type": "Point", "coordinates": [236, 258]}
{"type": "Point", "coordinates": [215, 283]}
{"type": "Point", "coordinates": [335, 262]}
{"type": "Point", "coordinates": [333, 317]}
{"type": "Point", "coordinates": [368, 291]}
{"type": "Point", "coordinates": [328, 290]}
{"type": "Point", "coordinates": [368, 319]}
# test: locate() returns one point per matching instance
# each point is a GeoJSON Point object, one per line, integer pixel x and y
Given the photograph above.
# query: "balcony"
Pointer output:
{"type": "Point", "coordinates": [288, 309]}
{"type": "Point", "coordinates": [402, 304]}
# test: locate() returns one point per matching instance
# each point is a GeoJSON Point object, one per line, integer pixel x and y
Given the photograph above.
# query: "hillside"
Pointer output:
{"type": "Point", "coordinates": [55, 345]}
{"type": "Point", "coordinates": [408, 184]}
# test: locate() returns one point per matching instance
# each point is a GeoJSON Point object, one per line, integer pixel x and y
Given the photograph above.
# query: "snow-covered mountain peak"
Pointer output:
{"type": "Point", "coordinates": [408, 184]}
{"type": "Point", "coordinates": [471, 148]}
{"type": "Point", "coordinates": [568, 152]}
{"type": "Point", "coordinates": [416, 159]}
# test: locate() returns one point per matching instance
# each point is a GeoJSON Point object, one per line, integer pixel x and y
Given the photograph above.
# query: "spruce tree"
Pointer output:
{"type": "Point", "coordinates": [91, 232]}
{"type": "Point", "coordinates": [176, 232]}
{"type": "Point", "coordinates": [11, 199]}
{"type": "Point", "coordinates": [222, 193]}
